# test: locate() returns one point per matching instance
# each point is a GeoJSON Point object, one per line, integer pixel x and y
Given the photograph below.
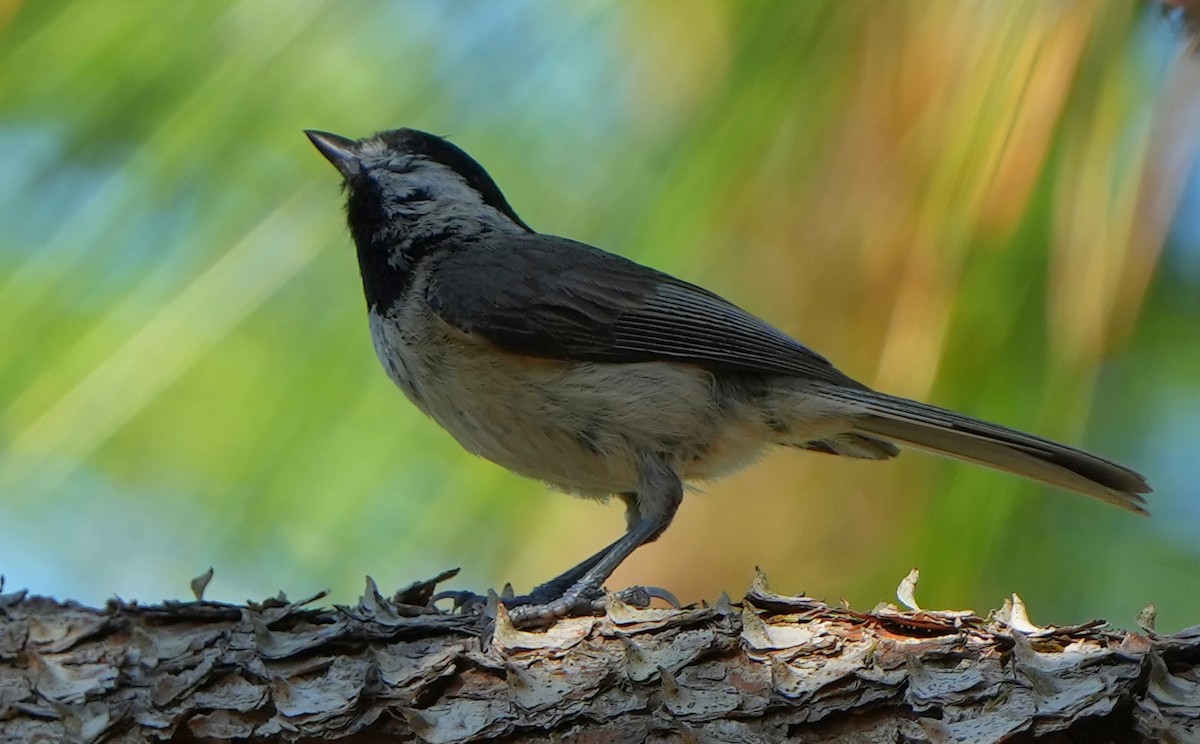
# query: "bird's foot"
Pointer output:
{"type": "Point", "coordinates": [574, 604]}
{"type": "Point", "coordinates": [537, 610]}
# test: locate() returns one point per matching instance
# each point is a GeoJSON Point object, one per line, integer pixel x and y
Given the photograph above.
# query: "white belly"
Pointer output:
{"type": "Point", "coordinates": [578, 426]}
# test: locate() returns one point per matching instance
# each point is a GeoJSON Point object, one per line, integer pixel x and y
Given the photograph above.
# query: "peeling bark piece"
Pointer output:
{"type": "Point", "coordinates": [696, 698]}
{"type": "Point", "coordinates": [321, 695]}
{"type": "Point", "coordinates": [1018, 617]}
{"type": "Point", "coordinates": [11, 599]}
{"type": "Point", "coordinates": [906, 592]}
{"type": "Point", "coordinates": [460, 720]}
{"type": "Point", "coordinates": [804, 680]}
{"type": "Point", "coordinates": [623, 618]}
{"type": "Point", "coordinates": [200, 583]}
{"type": "Point", "coordinates": [295, 641]}
{"type": "Point", "coordinates": [232, 692]}
{"type": "Point", "coordinates": [762, 597]}
{"type": "Point", "coordinates": [759, 635]}
{"type": "Point", "coordinates": [222, 725]}
{"type": "Point", "coordinates": [168, 688]}
{"type": "Point", "coordinates": [89, 722]}
{"type": "Point", "coordinates": [956, 680]}
{"type": "Point", "coordinates": [13, 637]}
{"type": "Point", "coordinates": [1171, 691]}
{"type": "Point", "coordinates": [532, 689]}
{"type": "Point", "coordinates": [622, 614]}
{"type": "Point", "coordinates": [643, 659]}
{"type": "Point", "coordinates": [420, 593]}
{"type": "Point", "coordinates": [415, 665]}
{"type": "Point", "coordinates": [70, 683]}
{"type": "Point", "coordinates": [56, 637]}
{"type": "Point", "coordinates": [559, 637]}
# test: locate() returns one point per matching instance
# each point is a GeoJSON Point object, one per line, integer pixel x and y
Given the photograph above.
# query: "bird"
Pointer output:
{"type": "Point", "coordinates": [603, 377]}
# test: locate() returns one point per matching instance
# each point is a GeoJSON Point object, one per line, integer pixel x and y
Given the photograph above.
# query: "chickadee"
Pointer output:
{"type": "Point", "coordinates": [600, 376]}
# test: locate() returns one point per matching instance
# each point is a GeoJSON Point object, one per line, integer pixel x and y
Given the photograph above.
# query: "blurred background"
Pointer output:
{"type": "Point", "coordinates": [994, 207]}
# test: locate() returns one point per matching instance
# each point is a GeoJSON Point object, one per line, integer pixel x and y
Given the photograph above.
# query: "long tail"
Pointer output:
{"type": "Point", "coordinates": [964, 438]}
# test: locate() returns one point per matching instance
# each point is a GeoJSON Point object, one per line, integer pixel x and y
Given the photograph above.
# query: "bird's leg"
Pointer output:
{"type": "Point", "coordinates": [648, 512]}
{"type": "Point", "coordinates": [554, 588]}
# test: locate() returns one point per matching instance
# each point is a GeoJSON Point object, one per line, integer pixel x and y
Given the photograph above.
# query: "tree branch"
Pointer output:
{"type": "Point", "coordinates": [768, 669]}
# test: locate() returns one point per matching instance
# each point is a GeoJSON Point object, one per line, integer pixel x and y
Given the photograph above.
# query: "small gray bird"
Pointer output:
{"type": "Point", "coordinates": [600, 376]}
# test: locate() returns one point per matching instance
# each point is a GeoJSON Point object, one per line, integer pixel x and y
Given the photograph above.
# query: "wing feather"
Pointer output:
{"type": "Point", "coordinates": [556, 298]}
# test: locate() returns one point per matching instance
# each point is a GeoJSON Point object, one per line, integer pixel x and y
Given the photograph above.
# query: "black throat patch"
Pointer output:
{"type": "Point", "coordinates": [383, 282]}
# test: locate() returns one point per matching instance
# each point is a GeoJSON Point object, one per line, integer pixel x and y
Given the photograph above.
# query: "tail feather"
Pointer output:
{"type": "Point", "coordinates": [851, 445]}
{"type": "Point", "coordinates": [954, 435]}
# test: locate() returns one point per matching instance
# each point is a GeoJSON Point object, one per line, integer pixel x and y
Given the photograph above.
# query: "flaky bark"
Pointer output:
{"type": "Point", "coordinates": [772, 668]}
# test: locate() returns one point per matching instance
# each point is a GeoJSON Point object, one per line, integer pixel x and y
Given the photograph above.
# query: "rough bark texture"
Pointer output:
{"type": "Point", "coordinates": [772, 668]}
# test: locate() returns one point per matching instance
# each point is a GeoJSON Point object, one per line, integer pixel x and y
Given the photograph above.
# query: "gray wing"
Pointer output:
{"type": "Point", "coordinates": [551, 297]}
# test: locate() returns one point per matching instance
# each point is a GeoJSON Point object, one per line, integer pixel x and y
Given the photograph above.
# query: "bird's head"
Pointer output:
{"type": "Point", "coordinates": [407, 180]}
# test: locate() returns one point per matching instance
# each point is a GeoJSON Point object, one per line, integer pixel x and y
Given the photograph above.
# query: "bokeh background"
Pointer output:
{"type": "Point", "coordinates": [991, 206]}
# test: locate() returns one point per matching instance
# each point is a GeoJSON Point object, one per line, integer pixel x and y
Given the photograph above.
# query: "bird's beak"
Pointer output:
{"type": "Point", "coordinates": [342, 152]}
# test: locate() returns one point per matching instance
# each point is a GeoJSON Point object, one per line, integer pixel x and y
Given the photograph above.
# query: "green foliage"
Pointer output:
{"type": "Point", "coordinates": [948, 200]}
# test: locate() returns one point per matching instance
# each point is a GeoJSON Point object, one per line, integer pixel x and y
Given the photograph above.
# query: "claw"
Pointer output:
{"type": "Point", "coordinates": [639, 596]}
{"type": "Point", "coordinates": [464, 601]}
{"type": "Point", "coordinates": [657, 592]}
{"type": "Point", "coordinates": [634, 596]}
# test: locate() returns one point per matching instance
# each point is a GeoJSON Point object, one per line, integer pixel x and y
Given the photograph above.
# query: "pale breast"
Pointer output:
{"type": "Point", "coordinates": [578, 426]}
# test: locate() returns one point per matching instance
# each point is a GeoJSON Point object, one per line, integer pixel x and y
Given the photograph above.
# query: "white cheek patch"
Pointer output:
{"type": "Point", "coordinates": [423, 191]}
